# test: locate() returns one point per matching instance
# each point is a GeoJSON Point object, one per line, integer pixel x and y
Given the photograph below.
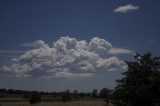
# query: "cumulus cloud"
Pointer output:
{"type": "Point", "coordinates": [67, 58]}
{"type": "Point", "coordinates": [126, 8]}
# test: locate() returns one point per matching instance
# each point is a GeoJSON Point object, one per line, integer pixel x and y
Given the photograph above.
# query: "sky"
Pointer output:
{"type": "Point", "coordinates": [53, 45]}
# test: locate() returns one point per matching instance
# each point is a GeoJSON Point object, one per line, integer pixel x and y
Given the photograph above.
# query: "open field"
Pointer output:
{"type": "Point", "coordinates": [72, 103]}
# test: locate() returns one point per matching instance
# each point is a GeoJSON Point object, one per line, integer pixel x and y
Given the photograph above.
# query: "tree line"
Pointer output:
{"type": "Point", "coordinates": [65, 96]}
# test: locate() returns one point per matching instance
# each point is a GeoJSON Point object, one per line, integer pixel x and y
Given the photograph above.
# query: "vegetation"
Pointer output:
{"type": "Point", "coordinates": [75, 94]}
{"type": "Point", "coordinates": [140, 86]}
{"type": "Point", "coordinates": [35, 97]}
{"type": "Point", "coordinates": [66, 96]}
{"type": "Point", "coordinates": [94, 93]}
{"type": "Point", "coordinates": [105, 93]}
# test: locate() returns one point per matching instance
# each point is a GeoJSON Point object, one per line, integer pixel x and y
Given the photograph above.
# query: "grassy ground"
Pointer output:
{"type": "Point", "coordinates": [72, 103]}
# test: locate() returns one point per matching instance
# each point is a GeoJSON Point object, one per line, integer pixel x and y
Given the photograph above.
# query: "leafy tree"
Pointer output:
{"type": "Point", "coordinates": [94, 93]}
{"type": "Point", "coordinates": [35, 97]}
{"type": "Point", "coordinates": [141, 84]}
{"type": "Point", "coordinates": [66, 96]}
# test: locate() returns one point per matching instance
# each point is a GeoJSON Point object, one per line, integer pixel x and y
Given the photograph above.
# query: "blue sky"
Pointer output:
{"type": "Point", "coordinates": [128, 25]}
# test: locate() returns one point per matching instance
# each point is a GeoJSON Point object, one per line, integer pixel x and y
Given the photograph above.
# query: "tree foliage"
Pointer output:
{"type": "Point", "coordinates": [141, 84]}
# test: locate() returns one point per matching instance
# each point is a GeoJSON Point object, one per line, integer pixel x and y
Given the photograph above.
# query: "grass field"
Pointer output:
{"type": "Point", "coordinates": [72, 103]}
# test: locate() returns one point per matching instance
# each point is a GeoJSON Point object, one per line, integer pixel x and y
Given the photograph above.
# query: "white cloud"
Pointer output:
{"type": "Point", "coordinates": [120, 51]}
{"type": "Point", "coordinates": [67, 58]}
{"type": "Point", "coordinates": [110, 63]}
{"type": "Point", "coordinates": [126, 8]}
{"type": "Point", "coordinates": [99, 46]}
{"type": "Point", "coordinates": [36, 44]}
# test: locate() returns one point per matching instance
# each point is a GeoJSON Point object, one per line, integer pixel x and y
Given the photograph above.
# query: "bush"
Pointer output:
{"type": "Point", "coordinates": [35, 97]}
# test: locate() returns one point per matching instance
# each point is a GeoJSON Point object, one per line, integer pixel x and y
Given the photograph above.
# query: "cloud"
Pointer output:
{"type": "Point", "coordinates": [35, 44]}
{"type": "Point", "coordinates": [126, 8]}
{"type": "Point", "coordinates": [151, 41]}
{"type": "Point", "coordinates": [12, 51]}
{"type": "Point", "coordinates": [120, 51]}
{"type": "Point", "coordinates": [67, 58]}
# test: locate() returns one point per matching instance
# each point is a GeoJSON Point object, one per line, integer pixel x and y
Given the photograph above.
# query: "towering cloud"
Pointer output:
{"type": "Point", "coordinates": [67, 58]}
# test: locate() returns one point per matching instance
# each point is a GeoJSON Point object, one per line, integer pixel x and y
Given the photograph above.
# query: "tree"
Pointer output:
{"type": "Point", "coordinates": [35, 97]}
{"type": "Point", "coordinates": [66, 96]}
{"type": "Point", "coordinates": [82, 95]}
{"type": "Point", "coordinates": [75, 94]}
{"type": "Point", "coordinates": [25, 96]}
{"type": "Point", "coordinates": [105, 94]}
{"type": "Point", "coordinates": [94, 93]}
{"type": "Point", "coordinates": [140, 86]}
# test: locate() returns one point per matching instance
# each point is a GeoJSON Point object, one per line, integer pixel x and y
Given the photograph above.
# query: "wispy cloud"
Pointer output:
{"type": "Point", "coordinates": [126, 8]}
{"type": "Point", "coordinates": [67, 58]}
{"type": "Point", "coordinates": [37, 43]}
{"type": "Point", "coordinates": [151, 41]}
{"type": "Point", "coordinates": [120, 51]}
{"type": "Point", "coordinates": [12, 51]}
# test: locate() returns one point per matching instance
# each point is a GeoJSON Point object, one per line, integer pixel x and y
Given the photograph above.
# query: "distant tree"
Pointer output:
{"type": "Point", "coordinates": [82, 95]}
{"type": "Point", "coordinates": [88, 94]}
{"type": "Point", "coordinates": [25, 96]}
{"type": "Point", "coordinates": [141, 83]}
{"type": "Point", "coordinates": [35, 97]}
{"type": "Point", "coordinates": [54, 94]}
{"type": "Point", "coordinates": [105, 94]}
{"type": "Point", "coordinates": [94, 93]}
{"type": "Point", "coordinates": [66, 96]}
{"type": "Point", "coordinates": [75, 94]}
